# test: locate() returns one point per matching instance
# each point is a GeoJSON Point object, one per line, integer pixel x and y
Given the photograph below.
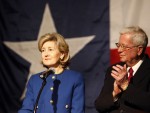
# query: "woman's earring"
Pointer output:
{"type": "Point", "coordinates": [61, 57]}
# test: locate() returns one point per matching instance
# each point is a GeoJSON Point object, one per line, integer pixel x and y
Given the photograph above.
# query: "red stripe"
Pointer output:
{"type": "Point", "coordinates": [114, 57]}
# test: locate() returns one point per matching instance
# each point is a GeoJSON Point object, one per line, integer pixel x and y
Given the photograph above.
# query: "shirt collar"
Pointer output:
{"type": "Point", "coordinates": [135, 67]}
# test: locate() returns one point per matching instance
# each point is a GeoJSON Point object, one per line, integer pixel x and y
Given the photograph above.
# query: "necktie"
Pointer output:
{"type": "Point", "coordinates": [130, 74]}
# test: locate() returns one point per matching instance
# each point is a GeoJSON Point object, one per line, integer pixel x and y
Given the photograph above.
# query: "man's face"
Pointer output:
{"type": "Point", "coordinates": [128, 52]}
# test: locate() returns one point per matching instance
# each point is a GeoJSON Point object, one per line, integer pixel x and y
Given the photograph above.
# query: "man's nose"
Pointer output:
{"type": "Point", "coordinates": [120, 49]}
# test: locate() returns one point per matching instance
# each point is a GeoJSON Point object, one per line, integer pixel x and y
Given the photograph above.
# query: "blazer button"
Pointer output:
{"type": "Point", "coordinates": [51, 88]}
{"type": "Point", "coordinates": [67, 106]}
{"type": "Point", "coordinates": [51, 101]}
{"type": "Point", "coordinates": [53, 77]}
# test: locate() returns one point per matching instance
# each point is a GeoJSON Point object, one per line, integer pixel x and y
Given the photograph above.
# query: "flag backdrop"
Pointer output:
{"type": "Point", "coordinates": [91, 27]}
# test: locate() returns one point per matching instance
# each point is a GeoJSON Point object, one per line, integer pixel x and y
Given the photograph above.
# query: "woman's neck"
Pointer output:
{"type": "Point", "coordinates": [58, 70]}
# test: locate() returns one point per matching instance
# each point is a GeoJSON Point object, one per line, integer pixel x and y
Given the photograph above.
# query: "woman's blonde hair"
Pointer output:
{"type": "Point", "coordinates": [62, 46]}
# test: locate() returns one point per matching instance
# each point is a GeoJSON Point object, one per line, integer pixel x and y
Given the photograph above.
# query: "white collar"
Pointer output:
{"type": "Point", "coordinates": [136, 66]}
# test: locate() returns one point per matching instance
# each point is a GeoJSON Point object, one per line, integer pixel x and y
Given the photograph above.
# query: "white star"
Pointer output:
{"type": "Point", "coordinates": [29, 49]}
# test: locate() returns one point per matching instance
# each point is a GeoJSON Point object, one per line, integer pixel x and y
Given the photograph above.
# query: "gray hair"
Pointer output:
{"type": "Point", "coordinates": [137, 34]}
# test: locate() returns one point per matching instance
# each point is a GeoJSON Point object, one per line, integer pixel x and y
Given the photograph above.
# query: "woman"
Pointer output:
{"type": "Point", "coordinates": [58, 89]}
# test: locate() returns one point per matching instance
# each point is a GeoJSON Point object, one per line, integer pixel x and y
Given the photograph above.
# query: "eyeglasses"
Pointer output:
{"type": "Point", "coordinates": [124, 47]}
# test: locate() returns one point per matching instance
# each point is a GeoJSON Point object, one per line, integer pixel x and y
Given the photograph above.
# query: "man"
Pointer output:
{"type": "Point", "coordinates": [127, 84]}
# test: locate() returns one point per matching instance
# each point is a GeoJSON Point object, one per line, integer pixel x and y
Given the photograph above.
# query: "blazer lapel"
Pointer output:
{"type": "Point", "coordinates": [142, 72]}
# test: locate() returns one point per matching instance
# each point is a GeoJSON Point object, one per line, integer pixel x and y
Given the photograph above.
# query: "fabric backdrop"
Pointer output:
{"type": "Point", "coordinates": [91, 28]}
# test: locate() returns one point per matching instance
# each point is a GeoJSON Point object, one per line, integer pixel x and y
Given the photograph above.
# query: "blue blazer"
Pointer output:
{"type": "Point", "coordinates": [63, 93]}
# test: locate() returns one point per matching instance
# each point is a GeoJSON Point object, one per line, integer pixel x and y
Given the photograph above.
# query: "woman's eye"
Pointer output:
{"type": "Point", "coordinates": [50, 49]}
{"type": "Point", "coordinates": [42, 50]}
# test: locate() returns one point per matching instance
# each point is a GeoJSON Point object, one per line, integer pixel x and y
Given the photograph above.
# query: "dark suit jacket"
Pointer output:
{"type": "Point", "coordinates": [135, 99]}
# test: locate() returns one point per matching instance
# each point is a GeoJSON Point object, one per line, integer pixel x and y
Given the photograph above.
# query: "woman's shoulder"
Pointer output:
{"type": "Point", "coordinates": [73, 73]}
{"type": "Point", "coordinates": [36, 75]}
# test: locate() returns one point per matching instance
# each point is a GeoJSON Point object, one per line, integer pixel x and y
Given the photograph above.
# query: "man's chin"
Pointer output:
{"type": "Point", "coordinates": [122, 59]}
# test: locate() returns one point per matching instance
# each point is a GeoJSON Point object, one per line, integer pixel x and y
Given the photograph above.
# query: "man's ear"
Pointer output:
{"type": "Point", "coordinates": [140, 50]}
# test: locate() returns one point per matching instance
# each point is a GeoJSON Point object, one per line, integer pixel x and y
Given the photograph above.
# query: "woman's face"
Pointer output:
{"type": "Point", "coordinates": [51, 54]}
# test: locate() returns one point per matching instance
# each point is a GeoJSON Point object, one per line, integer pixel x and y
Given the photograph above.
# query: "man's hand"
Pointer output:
{"type": "Point", "coordinates": [119, 73]}
{"type": "Point", "coordinates": [116, 90]}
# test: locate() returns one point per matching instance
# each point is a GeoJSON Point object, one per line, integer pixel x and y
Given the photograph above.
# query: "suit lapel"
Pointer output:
{"type": "Point", "coordinates": [142, 72]}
